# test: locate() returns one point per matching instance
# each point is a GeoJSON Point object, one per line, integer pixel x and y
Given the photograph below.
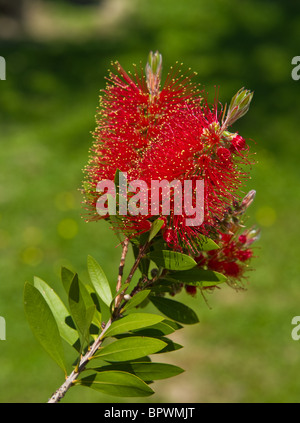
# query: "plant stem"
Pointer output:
{"type": "Point", "coordinates": [140, 255]}
{"type": "Point", "coordinates": [60, 392]}
{"type": "Point", "coordinates": [121, 268]}
{"type": "Point", "coordinates": [71, 379]}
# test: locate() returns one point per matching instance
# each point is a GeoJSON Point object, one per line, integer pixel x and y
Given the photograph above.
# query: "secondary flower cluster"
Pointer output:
{"type": "Point", "coordinates": [235, 246]}
{"type": "Point", "coordinates": [168, 133]}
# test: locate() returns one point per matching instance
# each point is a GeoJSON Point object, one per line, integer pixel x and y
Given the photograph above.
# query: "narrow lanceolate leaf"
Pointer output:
{"type": "Point", "coordinates": [166, 327]}
{"type": "Point", "coordinates": [130, 348]}
{"type": "Point", "coordinates": [59, 311]}
{"type": "Point", "coordinates": [82, 308]}
{"type": "Point", "coordinates": [117, 383]}
{"type": "Point", "coordinates": [136, 300]}
{"type": "Point", "coordinates": [206, 243]}
{"type": "Point", "coordinates": [144, 370]}
{"type": "Point", "coordinates": [172, 260]}
{"type": "Point", "coordinates": [43, 324]}
{"type": "Point", "coordinates": [99, 281]}
{"type": "Point", "coordinates": [97, 319]}
{"type": "Point", "coordinates": [88, 292]}
{"type": "Point", "coordinates": [66, 277]}
{"type": "Point", "coordinates": [175, 310]}
{"type": "Point", "coordinates": [171, 345]}
{"type": "Point", "coordinates": [155, 371]}
{"type": "Point", "coordinates": [198, 275]}
{"type": "Point", "coordinates": [131, 322]}
{"type": "Point", "coordinates": [155, 228]}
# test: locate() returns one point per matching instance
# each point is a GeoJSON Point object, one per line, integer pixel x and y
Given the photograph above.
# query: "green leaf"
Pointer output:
{"type": "Point", "coordinates": [43, 324]}
{"type": "Point", "coordinates": [175, 310]}
{"type": "Point", "coordinates": [171, 345]}
{"type": "Point", "coordinates": [165, 327]}
{"type": "Point", "coordinates": [155, 371]}
{"type": "Point", "coordinates": [59, 311]}
{"type": "Point", "coordinates": [116, 223]}
{"type": "Point", "coordinates": [99, 281]}
{"type": "Point", "coordinates": [173, 324]}
{"type": "Point", "coordinates": [82, 308]}
{"type": "Point", "coordinates": [144, 370]}
{"type": "Point", "coordinates": [117, 383]}
{"type": "Point", "coordinates": [97, 319]}
{"type": "Point", "coordinates": [172, 260]}
{"type": "Point", "coordinates": [88, 291]}
{"type": "Point", "coordinates": [163, 286]}
{"type": "Point", "coordinates": [131, 322]}
{"type": "Point", "coordinates": [155, 228]}
{"type": "Point", "coordinates": [197, 274]}
{"type": "Point", "coordinates": [66, 278]}
{"type": "Point", "coordinates": [130, 348]}
{"type": "Point", "coordinates": [206, 244]}
{"type": "Point", "coordinates": [136, 299]}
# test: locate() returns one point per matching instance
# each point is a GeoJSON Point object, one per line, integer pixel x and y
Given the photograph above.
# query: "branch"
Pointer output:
{"type": "Point", "coordinates": [60, 393]}
{"type": "Point", "coordinates": [71, 379]}
{"type": "Point", "coordinates": [140, 255]}
{"type": "Point", "coordinates": [121, 268]}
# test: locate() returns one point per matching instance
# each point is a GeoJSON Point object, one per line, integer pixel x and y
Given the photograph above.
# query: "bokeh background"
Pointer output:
{"type": "Point", "coordinates": [57, 54]}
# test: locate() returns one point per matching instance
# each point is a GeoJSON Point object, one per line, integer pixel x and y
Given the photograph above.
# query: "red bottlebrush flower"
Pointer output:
{"type": "Point", "coordinates": [165, 133]}
{"type": "Point", "coordinates": [191, 290]}
{"type": "Point", "coordinates": [215, 264]}
{"type": "Point", "coordinates": [232, 269]}
{"type": "Point", "coordinates": [229, 259]}
{"type": "Point", "coordinates": [244, 255]}
{"type": "Point", "coordinates": [238, 143]}
{"type": "Point", "coordinates": [169, 236]}
{"type": "Point", "coordinates": [226, 237]}
{"type": "Point", "coordinates": [223, 153]}
{"type": "Point", "coordinates": [242, 239]}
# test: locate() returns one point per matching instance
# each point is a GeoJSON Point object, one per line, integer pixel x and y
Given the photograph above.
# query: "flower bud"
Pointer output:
{"type": "Point", "coordinates": [248, 199]}
{"type": "Point", "coordinates": [238, 107]}
{"type": "Point", "coordinates": [238, 143]}
{"type": "Point", "coordinates": [252, 236]}
{"type": "Point", "coordinates": [191, 290]}
{"type": "Point", "coordinates": [242, 239]}
{"type": "Point", "coordinates": [153, 72]}
{"type": "Point", "coordinates": [127, 297]}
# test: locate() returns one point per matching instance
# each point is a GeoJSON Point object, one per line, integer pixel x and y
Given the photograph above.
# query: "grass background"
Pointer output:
{"type": "Point", "coordinates": [242, 350]}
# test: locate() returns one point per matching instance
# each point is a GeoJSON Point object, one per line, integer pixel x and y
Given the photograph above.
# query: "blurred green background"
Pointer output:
{"type": "Point", "coordinates": [57, 55]}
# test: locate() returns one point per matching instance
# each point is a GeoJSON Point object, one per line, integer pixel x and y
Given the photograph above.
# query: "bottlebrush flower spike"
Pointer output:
{"type": "Point", "coordinates": [167, 132]}
{"type": "Point", "coordinates": [234, 252]}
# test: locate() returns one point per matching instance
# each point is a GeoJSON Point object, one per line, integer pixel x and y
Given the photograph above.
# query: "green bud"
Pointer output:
{"type": "Point", "coordinates": [238, 107]}
{"type": "Point", "coordinates": [153, 72]}
{"type": "Point", "coordinates": [155, 62]}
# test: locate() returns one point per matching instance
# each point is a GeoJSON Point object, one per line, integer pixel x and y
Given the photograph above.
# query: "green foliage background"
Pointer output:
{"type": "Point", "coordinates": [242, 350]}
